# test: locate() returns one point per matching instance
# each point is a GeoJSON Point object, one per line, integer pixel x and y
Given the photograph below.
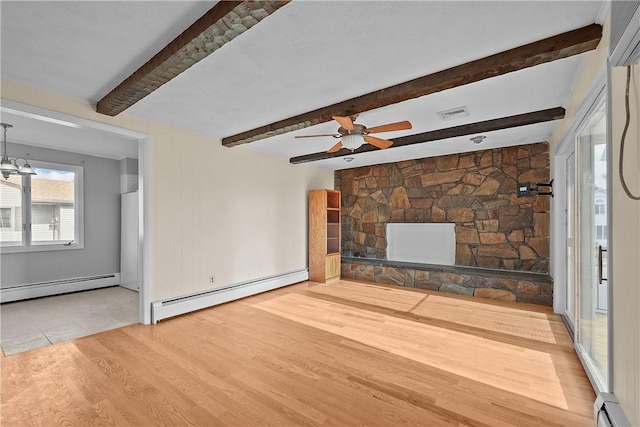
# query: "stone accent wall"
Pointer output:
{"type": "Point", "coordinates": [533, 288]}
{"type": "Point", "coordinates": [476, 191]}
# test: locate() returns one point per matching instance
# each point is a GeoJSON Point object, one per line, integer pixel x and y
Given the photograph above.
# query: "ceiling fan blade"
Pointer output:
{"type": "Point", "coordinates": [335, 135]}
{"type": "Point", "coordinates": [378, 142]}
{"type": "Point", "coordinates": [335, 148]}
{"type": "Point", "coordinates": [405, 125]}
{"type": "Point", "coordinates": [345, 122]}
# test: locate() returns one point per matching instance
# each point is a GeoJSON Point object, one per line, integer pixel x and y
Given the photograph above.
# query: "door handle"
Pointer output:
{"type": "Point", "coordinates": [600, 251]}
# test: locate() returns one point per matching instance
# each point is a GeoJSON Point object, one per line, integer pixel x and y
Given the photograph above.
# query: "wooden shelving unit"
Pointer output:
{"type": "Point", "coordinates": [324, 235]}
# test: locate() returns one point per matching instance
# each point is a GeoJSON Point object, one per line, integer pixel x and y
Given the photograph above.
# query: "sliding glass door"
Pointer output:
{"type": "Point", "coordinates": [591, 248]}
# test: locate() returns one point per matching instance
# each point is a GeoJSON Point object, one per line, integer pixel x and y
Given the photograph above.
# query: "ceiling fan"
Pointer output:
{"type": "Point", "coordinates": [354, 135]}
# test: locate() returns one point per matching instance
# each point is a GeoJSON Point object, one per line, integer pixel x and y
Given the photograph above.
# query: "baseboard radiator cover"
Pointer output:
{"type": "Point", "coordinates": [186, 304]}
{"type": "Point", "coordinates": [57, 287]}
{"type": "Point", "coordinates": [608, 412]}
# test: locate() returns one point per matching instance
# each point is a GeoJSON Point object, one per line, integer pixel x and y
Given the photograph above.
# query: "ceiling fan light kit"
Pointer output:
{"type": "Point", "coordinates": [354, 135]}
{"type": "Point", "coordinates": [352, 141]}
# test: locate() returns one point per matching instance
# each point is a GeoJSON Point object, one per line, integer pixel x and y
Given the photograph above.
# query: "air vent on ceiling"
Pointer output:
{"type": "Point", "coordinates": [454, 113]}
{"type": "Point", "coordinates": [625, 33]}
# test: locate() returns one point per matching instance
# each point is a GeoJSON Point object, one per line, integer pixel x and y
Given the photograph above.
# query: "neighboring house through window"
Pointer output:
{"type": "Point", "coordinates": [11, 198]}
{"type": "Point", "coordinates": [5, 217]}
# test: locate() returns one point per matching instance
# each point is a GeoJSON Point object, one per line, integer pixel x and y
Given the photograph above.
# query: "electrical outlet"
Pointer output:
{"type": "Point", "coordinates": [212, 279]}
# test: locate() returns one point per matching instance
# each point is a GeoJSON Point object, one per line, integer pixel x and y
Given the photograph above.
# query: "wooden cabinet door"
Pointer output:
{"type": "Point", "coordinates": [332, 266]}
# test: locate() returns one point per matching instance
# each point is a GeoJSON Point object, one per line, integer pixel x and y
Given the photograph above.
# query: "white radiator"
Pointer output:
{"type": "Point", "coordinates": [608, 412]}
{"type": "Point", "coordinates": [56, 287]}
{"type": "Point", "coordinates": [188, 303]}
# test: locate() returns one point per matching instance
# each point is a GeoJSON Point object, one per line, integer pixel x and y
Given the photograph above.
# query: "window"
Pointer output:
{"type": "Point", "coordinates": [601, 231]}
{"type": "Point", "coordinates": [49, 205]}
{"type": "Point", "coordinates": [11, 199]}
{"type": "Point", "coordinates": [5, 217]}
{"type": "Point", "coordinates": [600, 207]}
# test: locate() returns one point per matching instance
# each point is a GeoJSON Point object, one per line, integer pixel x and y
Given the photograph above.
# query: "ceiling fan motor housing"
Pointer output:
{"type": "Point", "coordinates": [358, 129]}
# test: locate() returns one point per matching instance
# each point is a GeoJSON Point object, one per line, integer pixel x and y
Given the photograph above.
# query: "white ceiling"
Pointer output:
{"type": "Point", "coordinates": [307, 55]}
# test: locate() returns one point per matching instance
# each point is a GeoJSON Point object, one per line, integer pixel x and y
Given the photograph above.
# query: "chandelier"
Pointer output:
{"type": "Point", "coordinates": [9, 166]}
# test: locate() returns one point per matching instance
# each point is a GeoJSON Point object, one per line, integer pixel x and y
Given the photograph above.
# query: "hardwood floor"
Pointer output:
{"type": "Point", "coordinates": [337, 354]}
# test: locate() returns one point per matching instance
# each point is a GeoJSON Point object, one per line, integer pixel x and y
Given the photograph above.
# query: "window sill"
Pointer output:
{"type": "Point", "coordinates": [40, 248]}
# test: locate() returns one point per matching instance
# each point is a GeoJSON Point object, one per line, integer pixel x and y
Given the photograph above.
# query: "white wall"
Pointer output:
{"type": "Point", "coordinates": [101, 253]}
{"type": "Point", "coordinates": [234, 212]}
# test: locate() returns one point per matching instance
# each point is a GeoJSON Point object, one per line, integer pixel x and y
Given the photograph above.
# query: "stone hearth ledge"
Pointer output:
{"type": "Point", "coordinates": [505, 285]}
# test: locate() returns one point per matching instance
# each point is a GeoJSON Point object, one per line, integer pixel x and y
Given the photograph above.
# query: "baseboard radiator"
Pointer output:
{"type": "Point", "coordinates": [186, 304]}
{"type": "Point", "coordinates": [56, 287]}
{"type": "Point", "coordinates": [608, 412]}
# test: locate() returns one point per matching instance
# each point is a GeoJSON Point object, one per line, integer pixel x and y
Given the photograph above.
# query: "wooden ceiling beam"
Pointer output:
{"type": "Point", "coordinates": [221, 24]}
{"type": "Point", "coordinates": [531, 118]}
{"type": "Point", "coordinates": [550, 49]}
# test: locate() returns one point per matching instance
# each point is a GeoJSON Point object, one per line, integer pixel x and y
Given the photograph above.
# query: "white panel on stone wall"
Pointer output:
{"type": "Point", "coordinates": [432, 243]}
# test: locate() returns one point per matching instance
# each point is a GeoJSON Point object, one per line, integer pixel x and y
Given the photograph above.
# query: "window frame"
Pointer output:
{"type": "Point", "coordinates": [27, 244]}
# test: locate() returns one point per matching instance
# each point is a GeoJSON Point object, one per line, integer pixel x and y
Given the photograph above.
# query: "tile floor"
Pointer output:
{"type": "Point", "coordinates": [44, 321]}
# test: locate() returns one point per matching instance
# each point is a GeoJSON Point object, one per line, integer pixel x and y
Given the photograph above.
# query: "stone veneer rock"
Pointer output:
{"type": "Point", "coordinates": [476, 191]}
{"type": "Point", "coordinates": [527, 287]}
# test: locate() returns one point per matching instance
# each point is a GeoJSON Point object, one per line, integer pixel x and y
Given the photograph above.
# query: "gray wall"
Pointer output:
{"type": "Point", "coordinates": [101, 253]}
{"type": "Point", "coordinates": [128, 175]}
